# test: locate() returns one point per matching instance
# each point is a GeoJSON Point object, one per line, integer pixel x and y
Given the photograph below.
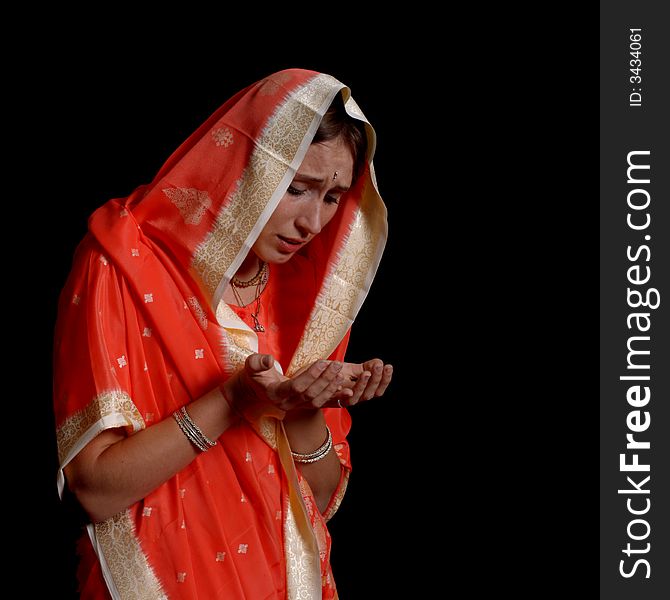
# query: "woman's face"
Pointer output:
{"type": "Point", "coordinates": [309, 203]}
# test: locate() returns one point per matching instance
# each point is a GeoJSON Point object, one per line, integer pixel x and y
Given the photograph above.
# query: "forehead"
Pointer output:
{"type": "Point", "coordinates": [324, 158]}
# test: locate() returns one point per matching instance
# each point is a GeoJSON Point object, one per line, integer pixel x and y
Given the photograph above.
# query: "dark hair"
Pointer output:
{"type": "Point", "coordinates": [335, 123]}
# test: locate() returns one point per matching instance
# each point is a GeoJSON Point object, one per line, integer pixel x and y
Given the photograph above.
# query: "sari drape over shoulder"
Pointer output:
{"type": "Point", "coordinates": [142, 330]}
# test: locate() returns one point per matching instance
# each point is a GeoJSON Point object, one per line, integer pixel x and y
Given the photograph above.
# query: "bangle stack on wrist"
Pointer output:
{"type": "Point", "coordinates": [318, 454]}
{"type": "Point", "coordinates": [192, 431]}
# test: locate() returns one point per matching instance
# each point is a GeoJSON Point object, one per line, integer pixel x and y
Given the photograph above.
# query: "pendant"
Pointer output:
{"type": "Point", "coordinates": [257, 326]}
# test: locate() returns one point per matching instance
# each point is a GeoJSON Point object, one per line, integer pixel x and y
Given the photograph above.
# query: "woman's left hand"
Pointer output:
{"type": "Point", "coordinates": [363, 381]}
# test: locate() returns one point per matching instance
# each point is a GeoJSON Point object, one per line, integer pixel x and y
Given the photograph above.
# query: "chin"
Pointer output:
{"type": "Point", "coordinates": [278, 258]}
{"type": "Point", "coordinates": [273, 257]}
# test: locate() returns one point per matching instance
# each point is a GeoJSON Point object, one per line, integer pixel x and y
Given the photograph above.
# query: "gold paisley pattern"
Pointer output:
{"type": "Point", "coordinates": [131, 573]}
{"type": "Point", "coordinates": [317, 524]}
{"type": "Point", "coordinates": [236, 351]}
{"type": "Point", "coordinates": [317, 91]}
{"type": "Point", "coordinates": [303, 570]}
{"type": "Point", "coordinates": [114, 402]}
{"type": "Point", "coordinates": [191, 203]}
{"type": "Point", "coordinates": [237, 343]}
{"type": "Point", "coordinates": [299, 564]}
{"type": "Point", "coordinates": [198, 311]}
{"type": "Point", "coordinates": [273, 154]}
{"type": "Point", "coordinates": [337, 499]}
{"type": "Point", "coordinates": [342, 293]}
{"type": "Point", "coordinates": [267, 428]}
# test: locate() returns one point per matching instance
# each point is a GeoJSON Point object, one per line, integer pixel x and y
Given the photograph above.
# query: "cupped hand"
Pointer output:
{"type": "Point", "coordinates": [259, 389]}
{"type": "Point", "coordinates": [364, 381]}
{"type": "Point", "coordinates": [312, 387]}
{"type": "Point", "coordinates": [359, 382]}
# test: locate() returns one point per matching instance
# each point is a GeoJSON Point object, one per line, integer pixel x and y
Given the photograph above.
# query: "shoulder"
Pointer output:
{"type": "Point", "coordinates": [88, 257]}
{"type": "Point", "coordinates": [93, 281]}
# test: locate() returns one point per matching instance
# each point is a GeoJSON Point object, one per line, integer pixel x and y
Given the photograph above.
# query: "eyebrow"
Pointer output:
{"type": "Point", "coordinates": [310, 179]}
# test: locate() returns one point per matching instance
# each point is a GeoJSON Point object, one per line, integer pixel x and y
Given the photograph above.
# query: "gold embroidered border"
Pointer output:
{"type": "Point", "coordinates": [299, 563]}
{"type": "Point", "coordinates": [276, 148]}
{"type": "Point", "coordinates": [198, 312]}
{"type": "Point", "coordinates": [133, 577]}
{"type": "Point", "coordinates": [341, 294]}
{"type": "Point", "coordinates": [301, 552]}
{"type": "Point", "coordinates": [339, 496]}
{"type": "Point", "coordinates": [113, 402]}
{"type": "Point", "coordinates": [238, 344]}
{"type": "Point", "coordinates": [267, 428]}
{"type": "Point", "coordinates": [235, 349]}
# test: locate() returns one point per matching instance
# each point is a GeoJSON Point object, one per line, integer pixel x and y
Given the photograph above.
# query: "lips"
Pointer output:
{"type": "Point", "coordinates": [291, 241]}
{"type": "Point", "coordinates": [288, 245]}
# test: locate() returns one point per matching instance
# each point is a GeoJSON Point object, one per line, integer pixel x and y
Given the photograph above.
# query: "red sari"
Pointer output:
{"type": "Point", "coordinates": [142, 330]}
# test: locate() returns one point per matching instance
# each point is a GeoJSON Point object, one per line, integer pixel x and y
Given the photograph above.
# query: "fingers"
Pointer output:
{"type": "Point", "coordinates": [324, 383]}
{"type": "Point", "coordinates": [330, 391]}
{"type": "Point", "coordinates": [299, 383]}
{"type": "Point", "coordinates": [373, 382]}
{"type": "Point", "coordinates": [359, 388]}
{"type": "Point", "coordinates": [376, 367]}
{"type": "Point", "coordinates": [386, 379]}
{"type": "Point", "coordinates": [322, 389]}
{"type": "Point", "coordinates": [314, 387]}
{"type": "Point", "coordinates": [256, 363]}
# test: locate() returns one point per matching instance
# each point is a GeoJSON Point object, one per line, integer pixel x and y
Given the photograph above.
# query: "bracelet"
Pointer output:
{"type": "Point", "coordinates": [318, 454]}
{"type": "Point", "coordinates": [192, 431]}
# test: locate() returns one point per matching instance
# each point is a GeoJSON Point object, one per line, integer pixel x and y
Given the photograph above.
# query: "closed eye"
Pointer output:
{"type": "Point", "coordinates": [294, 191]}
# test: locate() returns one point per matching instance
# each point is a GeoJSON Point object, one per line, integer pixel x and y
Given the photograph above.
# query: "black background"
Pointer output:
{"type": "Point", "coordinates": [467, 473]}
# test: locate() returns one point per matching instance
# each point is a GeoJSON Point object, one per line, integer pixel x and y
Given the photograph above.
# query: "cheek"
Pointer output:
{"type": "Point", "coordinates": [279, 217]}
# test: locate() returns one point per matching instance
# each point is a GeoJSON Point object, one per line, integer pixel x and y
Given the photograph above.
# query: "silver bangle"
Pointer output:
{"type": "Point", "coordinates": [192, 431]}
{"type": "Point", "coordinates": [318, 454]}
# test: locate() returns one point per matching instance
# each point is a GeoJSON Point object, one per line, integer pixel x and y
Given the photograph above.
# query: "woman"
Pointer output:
{"type": "Point", "coordinates": [199, 374]}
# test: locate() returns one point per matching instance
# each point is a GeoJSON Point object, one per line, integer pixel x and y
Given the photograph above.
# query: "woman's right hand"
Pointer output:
{"type": "Point", "coordinates": [259, 389]}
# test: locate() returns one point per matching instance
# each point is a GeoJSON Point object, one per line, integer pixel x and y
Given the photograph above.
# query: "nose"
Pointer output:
{"type": "Point", "coordinates": [309, 220]}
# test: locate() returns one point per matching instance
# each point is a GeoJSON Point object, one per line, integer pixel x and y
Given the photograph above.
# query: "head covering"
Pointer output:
{"type": "Point", "coordinates": [142, 330]}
